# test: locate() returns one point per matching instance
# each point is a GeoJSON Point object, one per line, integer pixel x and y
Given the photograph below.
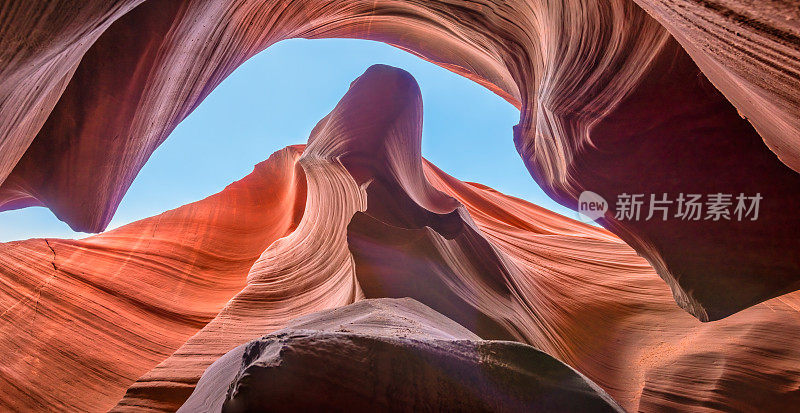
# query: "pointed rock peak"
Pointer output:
{"type": "Point", "coordinates": [382, 108]}
{"type": "Point", "coordinates": [375, 131]}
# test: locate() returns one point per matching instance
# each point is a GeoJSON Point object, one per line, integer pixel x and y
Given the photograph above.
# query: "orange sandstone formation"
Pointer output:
{"type": "Point", "coordinates": [81, 320]}
{"type": "Point", "coordinates": [144, 310]}
{"type": "Point", "coordinates": [615, 96]}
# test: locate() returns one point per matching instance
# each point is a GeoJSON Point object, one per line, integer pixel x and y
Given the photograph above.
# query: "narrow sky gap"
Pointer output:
{"type": "Point", "coordinates": [276, 98]}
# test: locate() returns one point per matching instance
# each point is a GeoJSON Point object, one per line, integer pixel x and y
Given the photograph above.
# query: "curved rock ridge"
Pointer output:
{"type": "Point", "coordinates": [581, 295]}
{"type": "Point", "coordinates": [372, 135]}
{"type": "Point", "coordinates": [80, 320]}
{"type": "Point", "coordinates": [392, 355]}
{"type": "Point", "coordinates": [610, 102]}
{"type": "Point", "coordinates": [360, 215]}
{"type": "Point", "coordinates": [377, 224]}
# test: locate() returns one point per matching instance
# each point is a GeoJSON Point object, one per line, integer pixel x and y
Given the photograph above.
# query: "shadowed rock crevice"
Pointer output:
{"type": "Point", "coordinates": [674, 124]}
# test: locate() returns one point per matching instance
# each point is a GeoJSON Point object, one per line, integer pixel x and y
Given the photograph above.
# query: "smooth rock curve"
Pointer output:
{"type": "Point", "coordinates": [615, 97]}
{"type": "Point", "coordinates": [392, 355]}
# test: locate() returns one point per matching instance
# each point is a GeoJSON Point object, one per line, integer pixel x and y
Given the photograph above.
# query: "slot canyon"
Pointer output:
{"type": "Point", "coordinates": [349, 273]}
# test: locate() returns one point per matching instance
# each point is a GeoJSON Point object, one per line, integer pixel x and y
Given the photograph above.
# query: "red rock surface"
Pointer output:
{"type": "Point", "coordinates": [610, 102]}
{"type": "Point", "coordinates": [80, 320]}
{"type": "Point", "coordinates": [150, 306]}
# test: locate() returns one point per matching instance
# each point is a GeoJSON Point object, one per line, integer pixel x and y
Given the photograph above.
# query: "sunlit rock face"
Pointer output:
{"type": "Point", "coordinates": [615, 96]}
{"type": "Point", "coordinates": [140, 313]}
{"type": "Point", "coordinates": [81, 320]}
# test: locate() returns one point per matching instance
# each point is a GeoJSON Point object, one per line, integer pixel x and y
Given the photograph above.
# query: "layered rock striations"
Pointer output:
{"type": "Point", "coordinates": [621, 96]}
{"type": "Point", "coordinates": [141, 313]}
{"type": "Point", "coordinates": [80, 320]}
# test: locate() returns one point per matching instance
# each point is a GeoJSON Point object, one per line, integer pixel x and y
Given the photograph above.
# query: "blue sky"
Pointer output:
{"type": "Point", "coordinates": [276, 98]}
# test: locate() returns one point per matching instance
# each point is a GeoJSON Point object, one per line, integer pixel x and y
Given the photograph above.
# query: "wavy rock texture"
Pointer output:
{"type": "Point", "coordinates": [609, 102]}
{"type": "Point", "coordinates": [360, 215]}
{"type": "Point", "coordinates": [392, 355]}
{"type": "Point", "coordinates": [81, 320]}
{"type": "Point", "coordinates": [750, 50]}
{"type": "Point", "coordinates": [41, 44]}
